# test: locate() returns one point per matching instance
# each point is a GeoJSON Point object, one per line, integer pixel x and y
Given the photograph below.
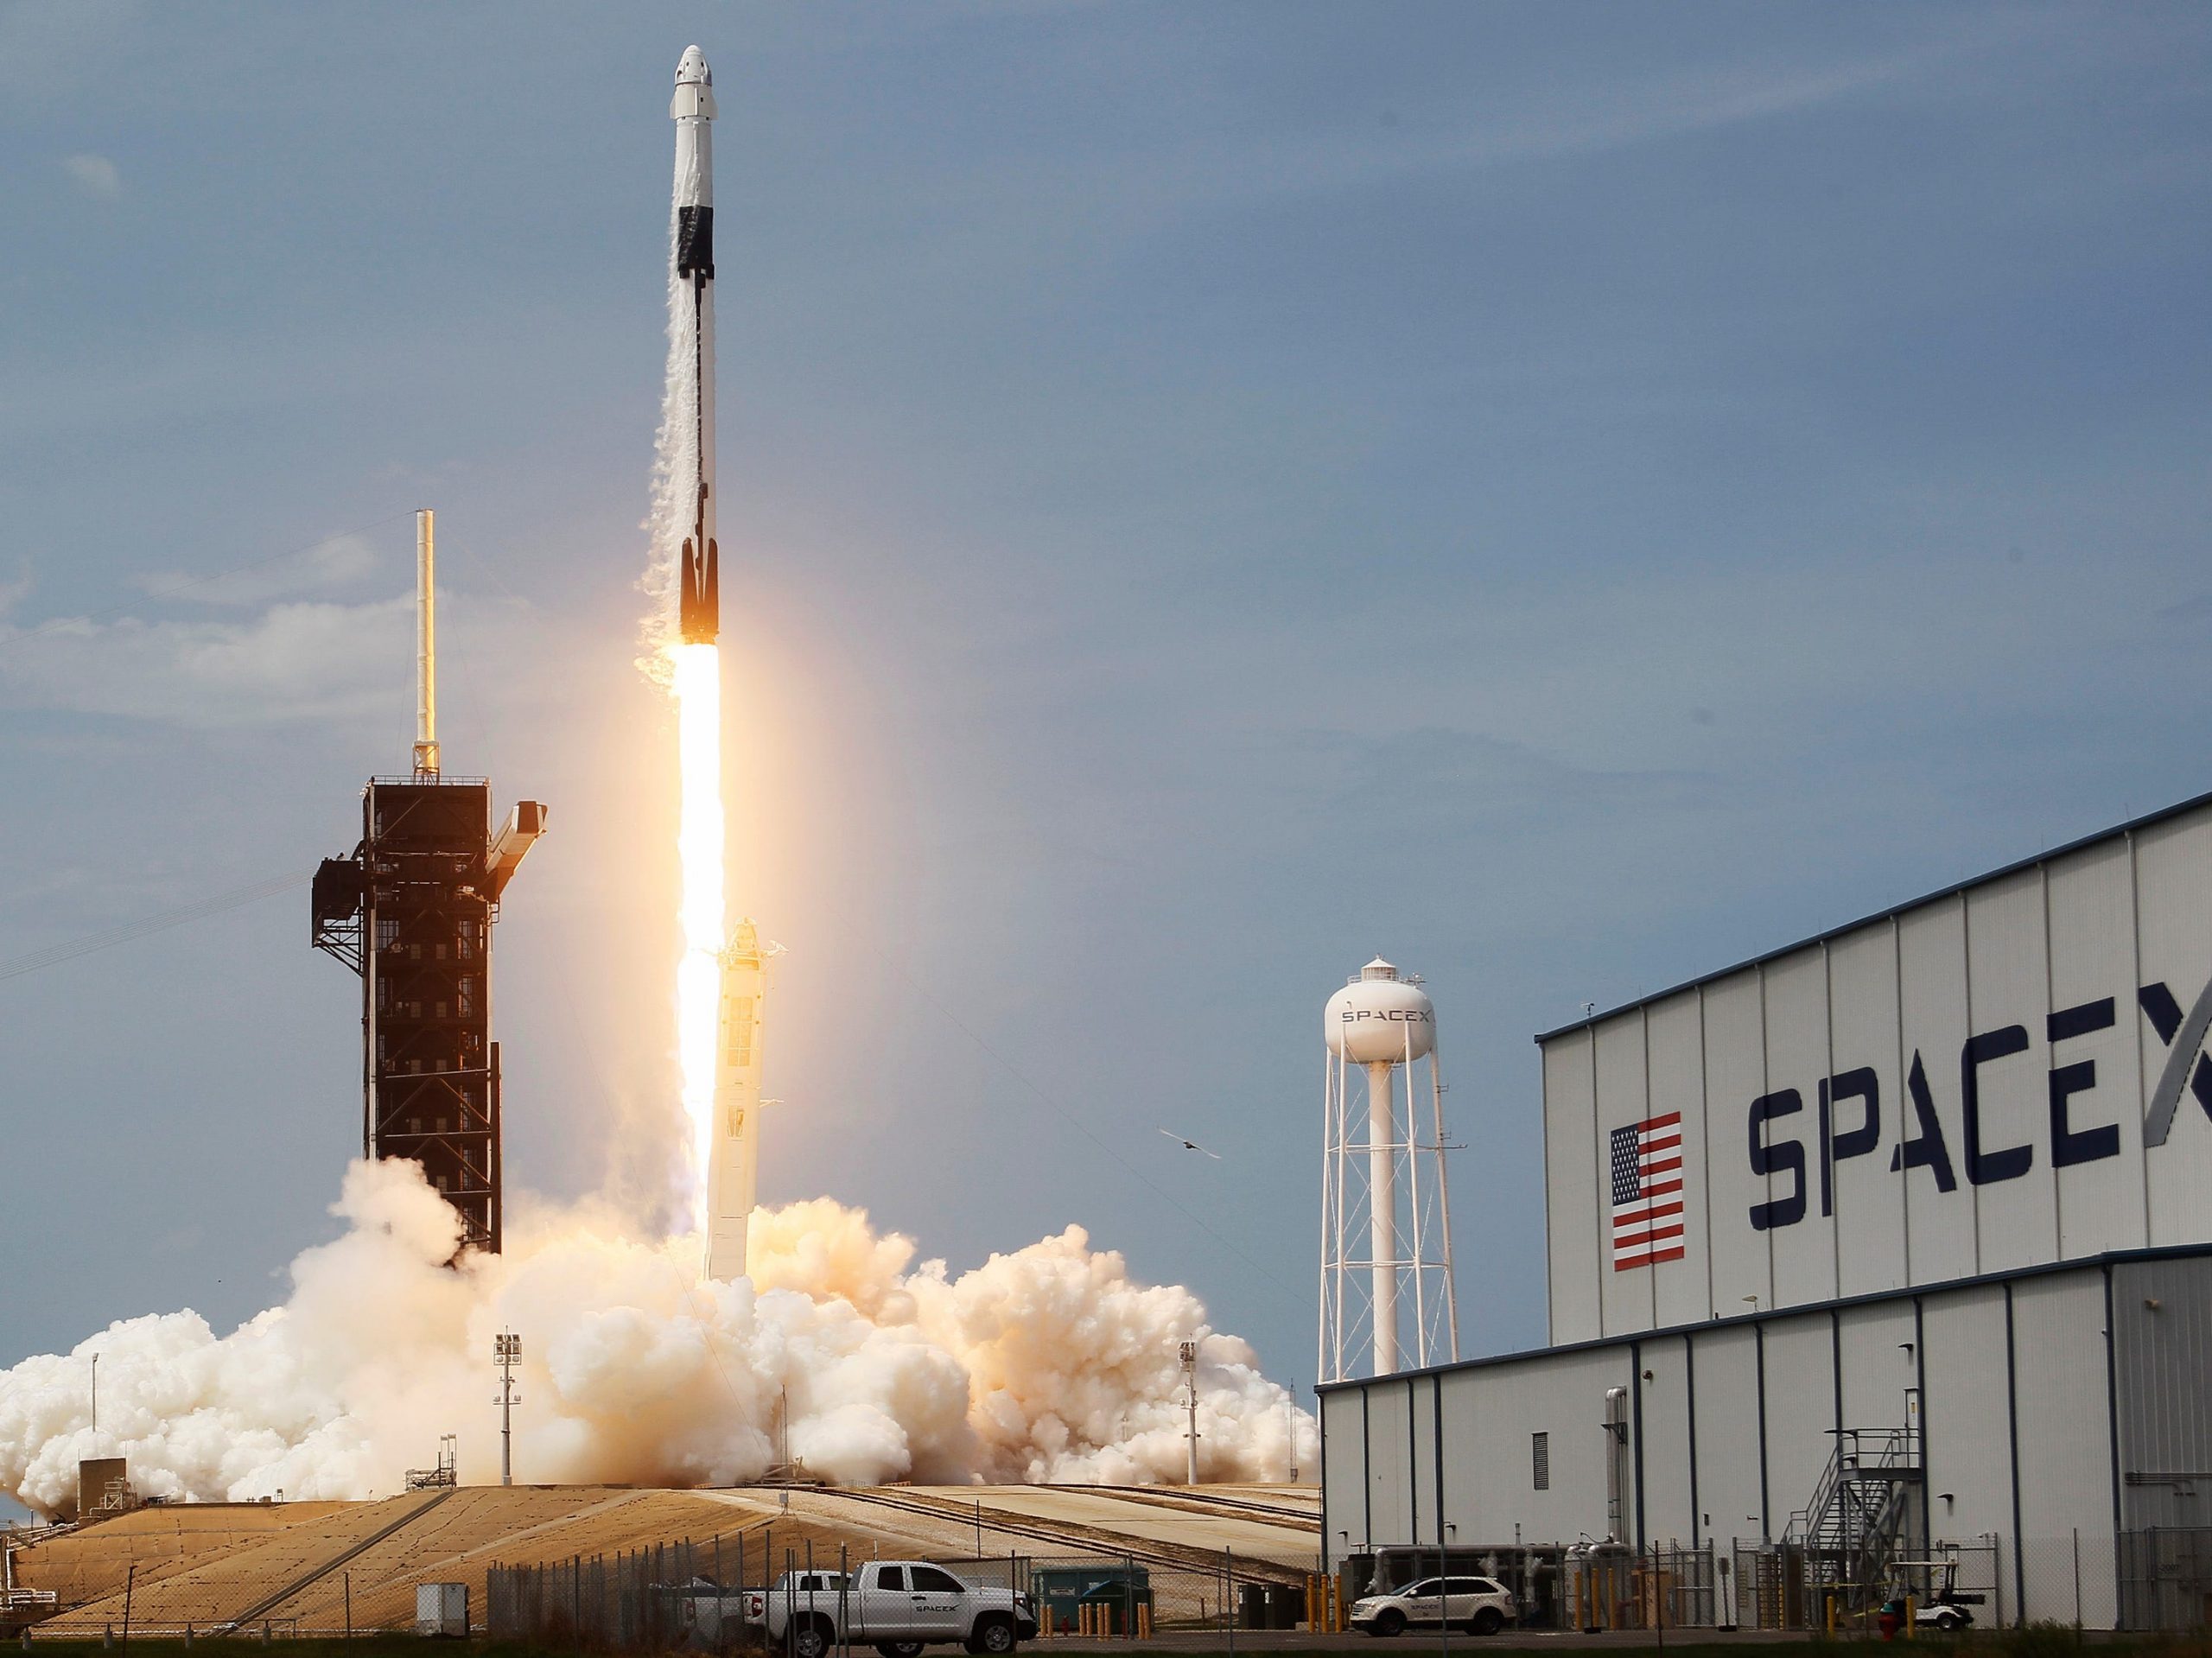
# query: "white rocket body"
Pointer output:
{"type": "Point", "coordinates": [733, 1141]}
{"type": "Point", "coordinates": [698, 596]}
{"type": "Point", "coordinates": [734, 1155]}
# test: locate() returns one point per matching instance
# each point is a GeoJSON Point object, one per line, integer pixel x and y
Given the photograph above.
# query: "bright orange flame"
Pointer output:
{"type": "Point", "coordinates": [699, 843]}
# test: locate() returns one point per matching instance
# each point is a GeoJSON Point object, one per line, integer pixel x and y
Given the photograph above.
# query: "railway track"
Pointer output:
{"type": "Point", "coordinates": [1191, 1502]}
{"type": "Point", "coordinates": [1073, 1535]}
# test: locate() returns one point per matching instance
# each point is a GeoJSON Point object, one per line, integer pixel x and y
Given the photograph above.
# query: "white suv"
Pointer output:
{"type": "Point", "coordinates": [1478, 1605]}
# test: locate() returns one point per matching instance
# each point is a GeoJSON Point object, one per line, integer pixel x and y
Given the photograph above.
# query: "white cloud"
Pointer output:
{"type": "Point", "coordinates": [300, 661]}
{"type": "Point", "coordinates": [96, 175]}
{"type": "Point", "coordinates": [328, 564]}
{"type": "Point", "coordinates": [297, 661]}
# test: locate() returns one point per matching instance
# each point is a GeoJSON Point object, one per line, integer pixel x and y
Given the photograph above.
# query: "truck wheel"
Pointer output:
{"type": "Point", "coordinates": [994, 1635]}
{"type": "Point", "coordinates": [899, 1649]}
{"type": "Point", "coordinates": [812, 1639]}
{"type": "Point", "coordinates": [1392, 1622]}
{"type": "Point", "coordinates": [1488, 1621]}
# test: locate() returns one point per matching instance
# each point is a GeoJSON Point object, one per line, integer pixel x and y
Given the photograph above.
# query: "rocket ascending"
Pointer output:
{"type": "Point", "coordinates": [698, 617]}
{"type": "Point", "coordinates": [725, 1105]}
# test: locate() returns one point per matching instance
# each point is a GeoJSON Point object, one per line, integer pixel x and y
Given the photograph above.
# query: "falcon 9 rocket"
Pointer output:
{"type": "Point", "coordinates": [721, 981]}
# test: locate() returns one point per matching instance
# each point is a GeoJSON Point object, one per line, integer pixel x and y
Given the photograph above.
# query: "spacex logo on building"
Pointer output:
{"type": "Point", "coordinates": [1850, 1121]}
{"type": "Point", "coordinates": [1391, 1015]}
{"type": "Point", "coordinates": [2184, 1041]}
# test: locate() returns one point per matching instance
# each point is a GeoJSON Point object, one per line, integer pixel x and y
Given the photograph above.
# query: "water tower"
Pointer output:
{"type": "Point", "coordinates": [1386, 1213]}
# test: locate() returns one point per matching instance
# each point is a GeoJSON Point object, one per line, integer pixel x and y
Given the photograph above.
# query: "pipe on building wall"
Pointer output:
{"type": "Point", "coordinates": [1616, 1460]}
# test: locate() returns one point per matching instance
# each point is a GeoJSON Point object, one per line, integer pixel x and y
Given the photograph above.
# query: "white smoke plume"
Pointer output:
{"type": "Point", "coordinates": [676, 455]}
{"type": "Point", "coordinates": [1048, 1363]}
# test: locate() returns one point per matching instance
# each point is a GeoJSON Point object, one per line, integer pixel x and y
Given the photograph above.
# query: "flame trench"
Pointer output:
{"type": "Point", "coordinates": [697, 687]}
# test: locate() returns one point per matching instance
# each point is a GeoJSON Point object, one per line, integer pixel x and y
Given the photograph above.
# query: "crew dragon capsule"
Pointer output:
{"type": "Point", "coordinates": [698, 617]}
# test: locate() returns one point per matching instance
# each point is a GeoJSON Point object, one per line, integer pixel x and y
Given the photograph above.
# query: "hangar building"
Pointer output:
{"type": "Point", "coordinates": [1894, 1240]}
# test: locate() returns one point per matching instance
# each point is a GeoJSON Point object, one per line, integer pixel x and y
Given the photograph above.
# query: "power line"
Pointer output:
{"type": "Point", "coordinates": [235, 899]}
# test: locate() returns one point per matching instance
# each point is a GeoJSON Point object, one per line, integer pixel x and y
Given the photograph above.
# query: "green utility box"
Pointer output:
{"type": "Point", "coordinates": [1063, 1591]}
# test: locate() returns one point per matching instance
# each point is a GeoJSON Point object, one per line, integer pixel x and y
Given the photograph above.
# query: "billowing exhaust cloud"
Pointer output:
{"type": "Point", "coordinates": [1046, 1363]}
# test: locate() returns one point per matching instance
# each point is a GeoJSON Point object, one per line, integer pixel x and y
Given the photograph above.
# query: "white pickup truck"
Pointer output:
{"type": "Point", "coordinates": [896, 1606]}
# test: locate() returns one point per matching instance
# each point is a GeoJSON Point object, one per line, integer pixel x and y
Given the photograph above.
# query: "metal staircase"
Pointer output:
{"type": "Point", "coordinates": [1869, 1508]}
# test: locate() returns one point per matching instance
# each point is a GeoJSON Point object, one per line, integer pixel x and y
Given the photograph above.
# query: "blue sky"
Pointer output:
{"type": "Point", "coordinates": [1566, 496]}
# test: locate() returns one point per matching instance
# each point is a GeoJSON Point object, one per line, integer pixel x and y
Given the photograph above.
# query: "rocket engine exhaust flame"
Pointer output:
{"type": "Point", "coordinates": [699, 842]}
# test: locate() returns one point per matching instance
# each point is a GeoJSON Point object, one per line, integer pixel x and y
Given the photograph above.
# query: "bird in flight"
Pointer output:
{"type": "Point", "coordinates": [1190, 1145]}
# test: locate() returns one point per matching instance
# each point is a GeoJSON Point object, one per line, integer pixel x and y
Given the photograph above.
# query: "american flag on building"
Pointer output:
{"type": "Point", "coordinates": [1647, 1169]}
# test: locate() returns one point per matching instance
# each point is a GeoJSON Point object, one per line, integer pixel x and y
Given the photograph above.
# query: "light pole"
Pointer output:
{"type": "Point", "coordinates": [506, 1353]}
{"type": "Point", "coordinates": [95, 1397]}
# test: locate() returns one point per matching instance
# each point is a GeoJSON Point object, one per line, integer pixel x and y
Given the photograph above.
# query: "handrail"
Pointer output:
{"type": "Point", "coordinates": [1894, 1450]}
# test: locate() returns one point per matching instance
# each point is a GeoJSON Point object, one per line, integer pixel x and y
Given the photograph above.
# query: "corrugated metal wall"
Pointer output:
{"type": "Point", "coordinates": [2162, 1350]}
{"type": "Point", "coordinates": [1729, 1458]}
{"type": "Point", "coordinates": [1880, 1359]}
{"type": "Point", "coordinates": [1951, 1092]}
{"type": "Point", "coordinates": [2064, 1429]}
{"type": "Point", "coordinates": [1623, 1298]}
{"type": "Point", "coordinates": [1574, 1205]}
{"type": "Point", "coordinates": [2173, 870]}
{"type": "Point", "coordinates": [1674, 1038]}
{"type": "Point", "coordinates": [1391, 1495]}
{"type": "Point", "coordinates": [2012, 1373]}
{"type": "Point", "coordinates": [1662, 1402]}
{"type": "Point", "coordinates": [1343, 1470]}
{"type": "Point", "coordinates": [1427, 1523]}
{"type": "Point", "coordinates": [1800, 1410]}
{"type": "Point", "coordinates": [1735, 1075]}
{"type": "Point", "coordinates": [1489, 1413]}
{"type": "Point", "coordinates": [2091, 901]}
{"type": "Point", "coordinates": [1966, 1418]}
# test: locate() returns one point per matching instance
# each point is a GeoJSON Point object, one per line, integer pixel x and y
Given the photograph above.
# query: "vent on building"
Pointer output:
{"type": "Point", "coordinates": [1539, 1460]}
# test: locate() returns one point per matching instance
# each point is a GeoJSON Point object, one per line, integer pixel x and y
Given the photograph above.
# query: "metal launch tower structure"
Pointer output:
{"type": "Point", "coordinates": [1386, 1212]}
{"type": "Point", "coordinates": [410, 910]}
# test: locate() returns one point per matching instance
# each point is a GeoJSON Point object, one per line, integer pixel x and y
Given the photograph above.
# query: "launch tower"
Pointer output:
{"type": "Point", "coordinates": [411, 910]}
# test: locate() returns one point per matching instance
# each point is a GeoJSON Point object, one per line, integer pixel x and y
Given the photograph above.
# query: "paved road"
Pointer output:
{"type": "Point", "coordinates": [1410, 1645]}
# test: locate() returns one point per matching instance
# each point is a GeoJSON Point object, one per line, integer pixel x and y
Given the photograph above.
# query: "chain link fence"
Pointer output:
{"type": "Point", "coordinates": [685, 1594]}
{"type": "Point", "coordinates": [679, 1594]}
{"type": "Point", "coordinates": [1737, 1584]}
{"type": "Point", "coordinates": [2165, 1577]}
